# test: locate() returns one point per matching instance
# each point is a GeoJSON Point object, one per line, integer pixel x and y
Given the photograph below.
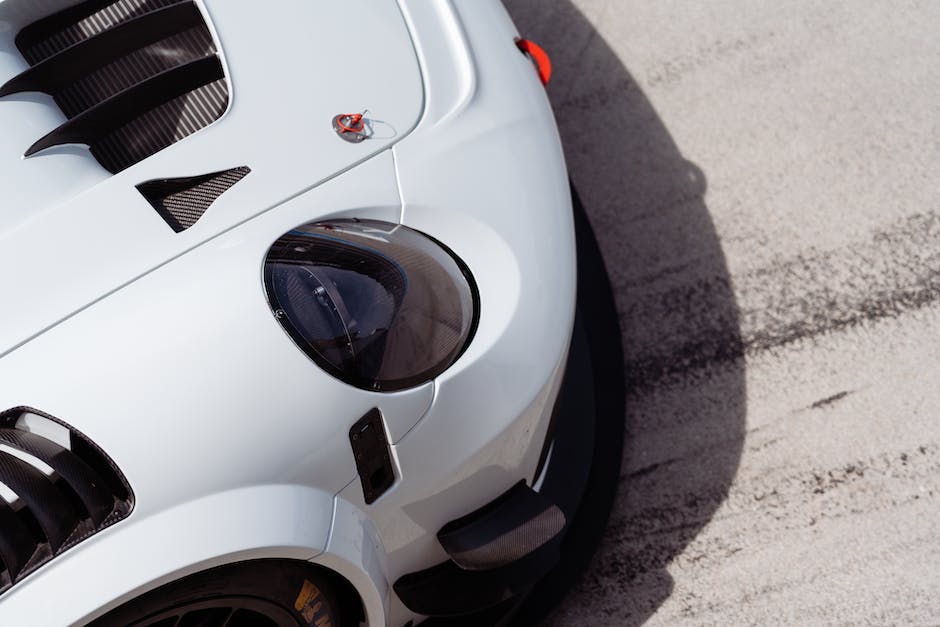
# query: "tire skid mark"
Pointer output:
{"type": "Point", "coordinates": [698, 607]}
{"type": "Point", "coordinates": [717, 51]}
{"type": "Point", "coordinates": [829, 400]}
{"type": "Point", "coordinates": [783, 499]}
{"type": "Point", "coordinates": [675, 324]}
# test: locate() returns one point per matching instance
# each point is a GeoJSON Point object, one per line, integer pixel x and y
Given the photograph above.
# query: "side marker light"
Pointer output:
{"type": "Point", "coordinates": [538, 55]}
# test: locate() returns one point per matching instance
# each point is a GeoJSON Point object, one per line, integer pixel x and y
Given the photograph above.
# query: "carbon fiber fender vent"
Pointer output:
{"type": "Point", "coordinates": [132, 76]}
{"type": "Point", "coordinates": [181, 202]}
{"type": "Point", "coordinates": [58, 488]}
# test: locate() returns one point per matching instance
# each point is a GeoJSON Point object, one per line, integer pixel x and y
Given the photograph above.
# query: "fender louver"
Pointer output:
{"type": "Point", "coordinates": [133, 76]}
{"type": "Point", "coordinates": [58, 489]}
{"type": "Point", "coordinates": [181, 202]}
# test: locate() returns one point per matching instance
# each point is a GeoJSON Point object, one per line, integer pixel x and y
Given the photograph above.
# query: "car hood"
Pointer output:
{"type": "Point", "coordinates": [72, 233]}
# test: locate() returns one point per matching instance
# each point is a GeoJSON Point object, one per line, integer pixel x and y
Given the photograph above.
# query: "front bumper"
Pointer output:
{"type": "Point", "coordinates": [521, 532]}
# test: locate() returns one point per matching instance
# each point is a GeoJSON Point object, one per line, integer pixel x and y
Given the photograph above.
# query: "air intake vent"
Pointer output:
{"type": "Point", "coordinates": [57, 490]}
{"type": "Point", "coordinates": [181, 202]}
{"type": "Point", "coordinates": [133, 76]}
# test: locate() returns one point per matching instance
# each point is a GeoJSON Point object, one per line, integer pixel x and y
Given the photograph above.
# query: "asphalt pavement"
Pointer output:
{"type": "Point", "coordinates": [764, 183]}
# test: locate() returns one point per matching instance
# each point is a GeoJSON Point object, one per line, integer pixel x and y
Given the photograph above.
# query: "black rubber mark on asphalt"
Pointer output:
{"type": "Point", "coordinates": [829, 400]}
{"type": "Point", "coordinates": [679, 324]}
{"type": "Point", "coordinates": [641, 472]}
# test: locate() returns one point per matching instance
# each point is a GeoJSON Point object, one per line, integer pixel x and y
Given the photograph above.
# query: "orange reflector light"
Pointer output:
{"type": "Point", "coordinates": [539, 56]}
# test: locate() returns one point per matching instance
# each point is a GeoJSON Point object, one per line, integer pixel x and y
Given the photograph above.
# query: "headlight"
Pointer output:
{"type": "Point", "coordinates": [377, 305]}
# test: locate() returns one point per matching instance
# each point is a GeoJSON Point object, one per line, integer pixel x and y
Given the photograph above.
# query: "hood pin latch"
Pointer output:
{"type": "Point", "coordinates": [352, 127]}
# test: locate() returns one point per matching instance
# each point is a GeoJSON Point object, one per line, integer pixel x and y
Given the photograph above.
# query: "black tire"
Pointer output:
{"type": "Point", "coordinates": [264, 593]}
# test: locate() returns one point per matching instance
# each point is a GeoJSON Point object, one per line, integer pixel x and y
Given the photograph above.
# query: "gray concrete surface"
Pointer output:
{"type": "Point", "coordinates": [763, 178]}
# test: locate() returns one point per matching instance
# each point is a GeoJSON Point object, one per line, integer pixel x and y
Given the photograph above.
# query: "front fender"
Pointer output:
{"type": "Point", "coordinates": [140, 554]}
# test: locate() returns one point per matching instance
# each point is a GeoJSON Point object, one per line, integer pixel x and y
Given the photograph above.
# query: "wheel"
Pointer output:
{"type": "Point", "coordinates": [267, 593]}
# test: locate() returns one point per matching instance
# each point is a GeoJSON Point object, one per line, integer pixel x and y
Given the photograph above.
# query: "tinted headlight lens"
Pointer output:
{"type": "Point", "coordinates": [378, 305]}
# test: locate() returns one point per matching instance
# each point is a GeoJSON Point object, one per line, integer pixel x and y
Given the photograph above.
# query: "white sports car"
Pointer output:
{"type": "Point", "coordinates": [290, 292]}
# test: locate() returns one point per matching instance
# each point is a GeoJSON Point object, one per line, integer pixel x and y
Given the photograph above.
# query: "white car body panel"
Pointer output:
{"type": "Point", "coordinates": [146, 552]}
{"type": "Point", "coordinates": [215, 419]}
{"type": "Point", "coordinates": [163, 349]}
{"type": "Point", "coordinates": [277, 120]}
{"type": "Point", "coordinates": [482, 125]}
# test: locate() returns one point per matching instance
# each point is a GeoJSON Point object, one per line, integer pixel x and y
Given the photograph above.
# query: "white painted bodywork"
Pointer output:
{"type": "Point", "coordinates": [161, 348]}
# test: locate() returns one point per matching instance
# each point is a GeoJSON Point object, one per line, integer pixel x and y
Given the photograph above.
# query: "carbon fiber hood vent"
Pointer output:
{"type": "Point", "coordinates": [58, 489]}
{"type": "Point", "coordinates": [132, 76]}
{"type": "Point", "coordinates": [181, 202]}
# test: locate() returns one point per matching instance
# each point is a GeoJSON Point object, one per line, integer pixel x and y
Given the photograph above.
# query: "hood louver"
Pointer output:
{"type": "Point", "coordinates": [60, 489]}
{"type": "Point", "coordinates": [133, 76]}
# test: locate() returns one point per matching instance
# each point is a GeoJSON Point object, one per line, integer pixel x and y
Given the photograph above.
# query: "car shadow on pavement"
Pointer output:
{"type": "Point", "coordinates": [684, 383]}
